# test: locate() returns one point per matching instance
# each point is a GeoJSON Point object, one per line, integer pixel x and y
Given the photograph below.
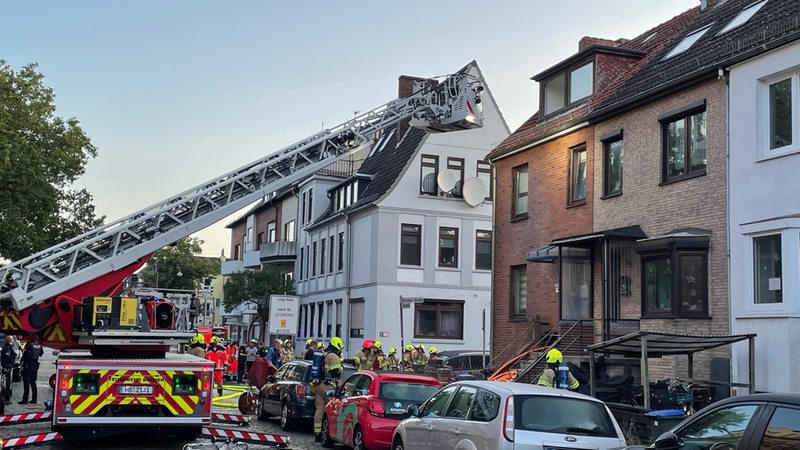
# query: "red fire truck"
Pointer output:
{"type": "Point", "coordinates": [127, 375]}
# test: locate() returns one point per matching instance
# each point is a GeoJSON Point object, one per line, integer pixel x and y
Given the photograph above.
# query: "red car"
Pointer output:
{"type": "Point", "coordinates": [366, 408]}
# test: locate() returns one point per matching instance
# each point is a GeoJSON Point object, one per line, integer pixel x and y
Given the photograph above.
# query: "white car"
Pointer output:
{"type": "Point", "coordinates": [498, 415]}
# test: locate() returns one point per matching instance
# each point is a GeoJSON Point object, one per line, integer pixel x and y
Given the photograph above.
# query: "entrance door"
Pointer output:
{"type": "Point", "coordinates": [576, 283]}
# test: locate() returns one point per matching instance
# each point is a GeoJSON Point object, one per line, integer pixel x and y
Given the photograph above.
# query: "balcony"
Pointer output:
{"type": "Point", "coordinates": [278, 252]}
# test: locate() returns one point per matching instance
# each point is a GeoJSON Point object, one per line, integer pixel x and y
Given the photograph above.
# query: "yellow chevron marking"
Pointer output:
{"type": "Point", "coordinates": [55, 334]}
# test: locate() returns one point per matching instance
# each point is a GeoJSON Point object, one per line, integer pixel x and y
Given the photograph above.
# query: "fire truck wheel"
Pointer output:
{"type": "Point", "coordinates": [53, 381]}
{"type": "Point", "coordinates": [248, 403]}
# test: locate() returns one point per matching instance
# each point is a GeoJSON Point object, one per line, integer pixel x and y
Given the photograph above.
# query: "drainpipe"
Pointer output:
{"type": "Point", "coordinates": [606, 293]}
{"type": "Point", "coordinates": [348, 280]}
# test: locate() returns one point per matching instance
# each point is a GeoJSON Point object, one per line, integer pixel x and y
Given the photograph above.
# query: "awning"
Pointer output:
{"type": "Point", "coordinates": [544, 254]}
{"type": "Point", "coordinates": [663, 344]}
{"type": "Point", "coordinates": [630, 233]}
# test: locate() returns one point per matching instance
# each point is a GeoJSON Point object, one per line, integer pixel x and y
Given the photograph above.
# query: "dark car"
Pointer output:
{"type": "Point", "coordinates": [468, 363]}
{"type": "Point", "coordinates": [287, 393]}
{"type": "Point", "coordinates": [758, 421]}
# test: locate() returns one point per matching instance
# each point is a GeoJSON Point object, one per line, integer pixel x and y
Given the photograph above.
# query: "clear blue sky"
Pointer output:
{"type": "Point", "coordinates": [174, 93]}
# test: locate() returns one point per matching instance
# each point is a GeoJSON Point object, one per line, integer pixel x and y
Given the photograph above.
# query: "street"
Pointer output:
{"type": "Point", "coordinates": [226, 404]}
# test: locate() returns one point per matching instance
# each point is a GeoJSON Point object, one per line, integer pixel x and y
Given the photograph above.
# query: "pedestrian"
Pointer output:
{"type": "Point", "coordinates": [311, 347]}
{"type": "Point", "coordinates": [274, 354]}
{"type": "Point", "coordinates": [7, 359]}
{"type": "Point", "coordinates": [555, 376]}
{"type": "Point", "coordinates": [250, 352]}
{"type": "Point", "coordinates": [30, 367]}
{"type": "Point", "coordinates": [332, 373]}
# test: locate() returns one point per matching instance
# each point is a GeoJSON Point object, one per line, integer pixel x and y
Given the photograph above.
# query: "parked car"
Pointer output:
{"type": "Point", "coordinates": [758, 421]}
{"type": "Point", "coordinates": [468, 363]}
{"type": "Point", "coordinates": [365, 409]}
{"type": "Point", "coordinates": [287, 394]}
{"type": "Point", "coordinates": [498, 415]}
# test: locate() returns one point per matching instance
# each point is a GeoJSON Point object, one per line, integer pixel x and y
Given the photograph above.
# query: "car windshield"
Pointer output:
{"type": "Point", "coordinates": [555, 414]}
{"type": "Point", "coordinates": [409, 392]}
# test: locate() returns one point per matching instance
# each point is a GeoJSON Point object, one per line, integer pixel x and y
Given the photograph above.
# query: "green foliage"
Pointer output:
{"type": "Point", "coordinates": [41, 155]}
{"type": "Point", "coordinates": [256, 287]}
{"type": "Point", "coordinates": [182, 258]}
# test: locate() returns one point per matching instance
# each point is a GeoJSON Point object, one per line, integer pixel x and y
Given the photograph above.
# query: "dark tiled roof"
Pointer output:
{"type": "Point", "coordinates": [775, 24]}
{"type": "Point", "coordinates": [384, 167]}
{"type": "Point", "coordinates": [651, 42]}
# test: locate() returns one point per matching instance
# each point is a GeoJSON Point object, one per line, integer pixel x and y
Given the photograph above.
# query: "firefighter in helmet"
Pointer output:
{"type": "Point", "coordinates": [555, 376]}
{"type": "Point", "coordinates": [392, 361]}
{"type": "Point", "coordinates": [287, 352]}
{"type": "Point", "coordinates": [378, 357]}
{"type": "Point", "coordinates": [419, 357]}
{"type": "Point", "coordinates": [408, 358]}
{"type": "Point", "coordinates": [433, 356]}
{"type": "Point", "coordinates": [216, 354]}
{"type": "Point", "coordinates": [332, 372]}
{"type": "Point", "coordinates": [362, 359]}
{"type": "Point", "coordinates": [197, 346]}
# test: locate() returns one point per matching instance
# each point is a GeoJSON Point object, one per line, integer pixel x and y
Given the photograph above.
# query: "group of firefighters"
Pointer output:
{"type": "Point", "coordinates": [371, 356]}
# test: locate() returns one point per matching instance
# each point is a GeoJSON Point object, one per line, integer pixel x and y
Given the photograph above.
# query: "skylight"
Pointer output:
{"type": "Point", "coordinates": [743, 16]}
{"type": "Point", "coordinates": [687, 42]}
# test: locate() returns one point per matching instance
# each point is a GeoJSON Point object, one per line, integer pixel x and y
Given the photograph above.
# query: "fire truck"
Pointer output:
{"type": "Point", "coordinates": [117, 369]}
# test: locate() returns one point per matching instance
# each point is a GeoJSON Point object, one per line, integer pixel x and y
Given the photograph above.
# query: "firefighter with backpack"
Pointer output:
{"type": "Point", "coordinates": [326, 370]}
{"type": "Point", "coordinates": [557, 374]}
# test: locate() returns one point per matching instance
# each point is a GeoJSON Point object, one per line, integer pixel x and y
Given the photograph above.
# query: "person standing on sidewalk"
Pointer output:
{"type": "Point", "coordinates": [7, 358]}
{"type": "Point", "coordinates": [30, 367]}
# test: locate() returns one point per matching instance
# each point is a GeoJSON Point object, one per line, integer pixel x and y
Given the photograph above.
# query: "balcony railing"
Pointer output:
{"type": "Point", "coordinates": [280, 251]}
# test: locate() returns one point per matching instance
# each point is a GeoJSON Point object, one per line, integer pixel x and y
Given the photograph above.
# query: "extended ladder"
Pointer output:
{"type": "Point", "coordinates": [453, 104]}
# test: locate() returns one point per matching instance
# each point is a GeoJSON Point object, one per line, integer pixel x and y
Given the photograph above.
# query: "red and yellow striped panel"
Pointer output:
{"type": "Point", "coordinates": [111, 380]}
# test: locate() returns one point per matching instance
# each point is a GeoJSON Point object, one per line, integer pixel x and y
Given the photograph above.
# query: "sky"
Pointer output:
{"type": "Point", "coordinates": [175, 93]}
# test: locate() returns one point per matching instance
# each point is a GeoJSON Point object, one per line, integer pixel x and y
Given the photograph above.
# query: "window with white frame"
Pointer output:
{"type": "Point", "coordinates": [271, 232]}
{"type": "Point", "coordinates": [778, 112]}
{"type": "Point", "coordinates": [484, 173]}
{"type": "Point", "coordinates": [448, 247]}
{"type": "Point", "coordinates": [289, 230]}
{"type": "Point", "coordinates": [483, 250]}
{"type": "Point", "coordinates": [577, 171]}
{"type": "Point", "coordinates": [455, 166]}
{"type": "Point", "coordinates": [411, 244]}
{"type": "Point", "coordinates": [768, 270]}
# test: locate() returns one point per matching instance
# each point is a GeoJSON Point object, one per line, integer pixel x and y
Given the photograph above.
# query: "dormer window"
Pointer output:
{"type": "Point", "coordinates": [568, 88]}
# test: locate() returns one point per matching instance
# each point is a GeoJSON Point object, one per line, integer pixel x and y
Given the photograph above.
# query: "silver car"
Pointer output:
{"type": "Point", "coordinates": [498, 415]}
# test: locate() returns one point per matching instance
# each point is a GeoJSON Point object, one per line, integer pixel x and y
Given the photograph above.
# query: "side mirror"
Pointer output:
{"type": "Point", "coordinates": [413, 410]}
{"type": "Point", "coordinates": [667, 441]}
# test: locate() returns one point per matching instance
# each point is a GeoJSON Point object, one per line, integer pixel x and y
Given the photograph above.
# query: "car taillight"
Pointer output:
{"type": "Point", "coordinates": [376, 407]}
{"type": "Point", "coordinates": [300, 390]}
{"type": "Point", "coordinates": [508, 420]}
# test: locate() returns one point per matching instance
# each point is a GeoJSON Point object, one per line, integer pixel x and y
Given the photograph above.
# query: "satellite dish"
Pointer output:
{"type": "Point", "coordinates": [474, 191]}
{"type": "Point", "coordinates": [446, 181]}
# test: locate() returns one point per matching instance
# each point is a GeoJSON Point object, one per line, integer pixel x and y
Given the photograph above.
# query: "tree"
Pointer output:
{"type": "Point", "coordinates": [41, 156]}
{"type": "Point", "coordinates": [255, 288]}
{"type": "Point", "coordinates": [179, 266]}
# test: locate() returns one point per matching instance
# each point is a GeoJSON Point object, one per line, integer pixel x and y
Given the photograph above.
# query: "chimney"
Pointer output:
{"type": "Point", "coordinates": [405, 88]}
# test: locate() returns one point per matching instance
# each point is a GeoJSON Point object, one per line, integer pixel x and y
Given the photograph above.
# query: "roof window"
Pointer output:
{"type": "Point", "coordinates": [687, 42]}
{"type": "Point", "coordinates": [568, 88]}
{"type": "Point", "coordinates": [743, 16]}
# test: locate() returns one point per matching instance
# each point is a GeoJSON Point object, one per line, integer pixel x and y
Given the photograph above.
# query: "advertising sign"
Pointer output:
{"type": "Point", "coordinates": [283, 314]}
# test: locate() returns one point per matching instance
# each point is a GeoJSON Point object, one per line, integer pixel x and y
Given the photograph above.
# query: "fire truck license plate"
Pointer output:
{"type": "Point", "coordinates": [136, 390]}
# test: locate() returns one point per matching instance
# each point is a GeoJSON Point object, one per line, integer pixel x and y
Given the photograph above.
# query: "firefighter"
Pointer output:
{"type": "Point", "coordinates": [433, 356]}
{"type": "Point", "coordinates": [362, 358]}
{"type": "Point", "coordinates": [392, 361]}
{"type": "Point", "coordinates": [419, 357]}
{"type": "Point", "coordinates": [233, 359]}
{"type": "Point", "coordinates": [379, 361]}
{"type": "Point", "coordinates": [287, 352]}
{"type": "Point", "coordinates": [408, 358]}
{"type": "Point", "coordinates": [557, 374]}
{"type": "Point", "coordinates": [216, 354]}
{"type": "Point", "coordinates": [30, 366]}
{"type": "Point", "coordinates": [332, 372]}
{"type": "Point", "coordinates": [197, 346]}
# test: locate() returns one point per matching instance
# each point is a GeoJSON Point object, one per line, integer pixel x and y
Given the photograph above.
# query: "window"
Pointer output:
{"type": "Point", "coordinates": [612, 165]}
{"type": "Point", "coordinates": [434, 407]}
{"type": "Point", "coordinates": [271, 232]}
{"type": "Point", "coordinates": [322, 248]}
{"type": "Point", "coordinates": [725, 427]}
{"type": "Point", "coordinates": [429, 174]}
{"type": "Point", "coordinates": [783, 430]}
{"type": "Point", "coordinates": [439, 320]}
{"type": "Point", "coordinates": [483, 250]}
{"type": "Point", "coordinates": [485, 175]}
{"type": "Point", "coordinates": [314, 259]}
{"type": "Point", "coordinates": [249, 234]}
{"type": "Point", "coordinates": [568, 88]}
{"type": "Point", "coordinates": [687, 42]}
{"type": "Point", "coordinates": [288, 231]}
{"type": "Point", "coordinates": [459, 406]}
{"type": "Point", "coordinates": [302, 259]}
{"type": "Point", "coordinates": [310, 203]}
{"type": "Point", "coordinates": [684, 136]}
{"type": "Point", "coordinates": [455, 166]}
{"type": "Point", "coordinates": [768, 270]}
{"type": "Point", "coordinates": [341, 251]}
{"type": "Point", "coordinates": [237, 252]}
{"type": "Point", "coordinates": [303, 201]}
{"type": "Point", "coordinates": [448, 247]}
{"type": "Point", "coordinates": [411, 244]}
{"type": "Point", "coordinates": [675, 277]}
{"type": "Point", "coordinates": [577, 185]}
{"type": "Point", "coordinates": [743, 16]}
{"type": "Point", "coordinates": [259, 240]}
{"type": "Point", "coordinates": [330, 257]}
{"type": "Point", "coordinates": [780, 114]}
{"type": "Point", "coordinates": [519, 290]}
{"type": "Point", "coordinates": [520, 200]}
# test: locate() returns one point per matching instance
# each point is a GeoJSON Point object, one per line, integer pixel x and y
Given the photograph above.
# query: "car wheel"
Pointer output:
{"type": "Point", "coordinates": [358, 440]}
{"type": "Point", "coordinates": [326, 440]}
{"type": "Point", "coordinates": [397, 444]}
{"type": "Point", "coordinates": [287, 423]}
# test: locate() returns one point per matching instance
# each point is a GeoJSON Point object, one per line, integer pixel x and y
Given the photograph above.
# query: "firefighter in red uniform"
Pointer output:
{"type": "Point", "coordinates": [216, 354]}
{"type": "Point", "coordinates": [233, 359]}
